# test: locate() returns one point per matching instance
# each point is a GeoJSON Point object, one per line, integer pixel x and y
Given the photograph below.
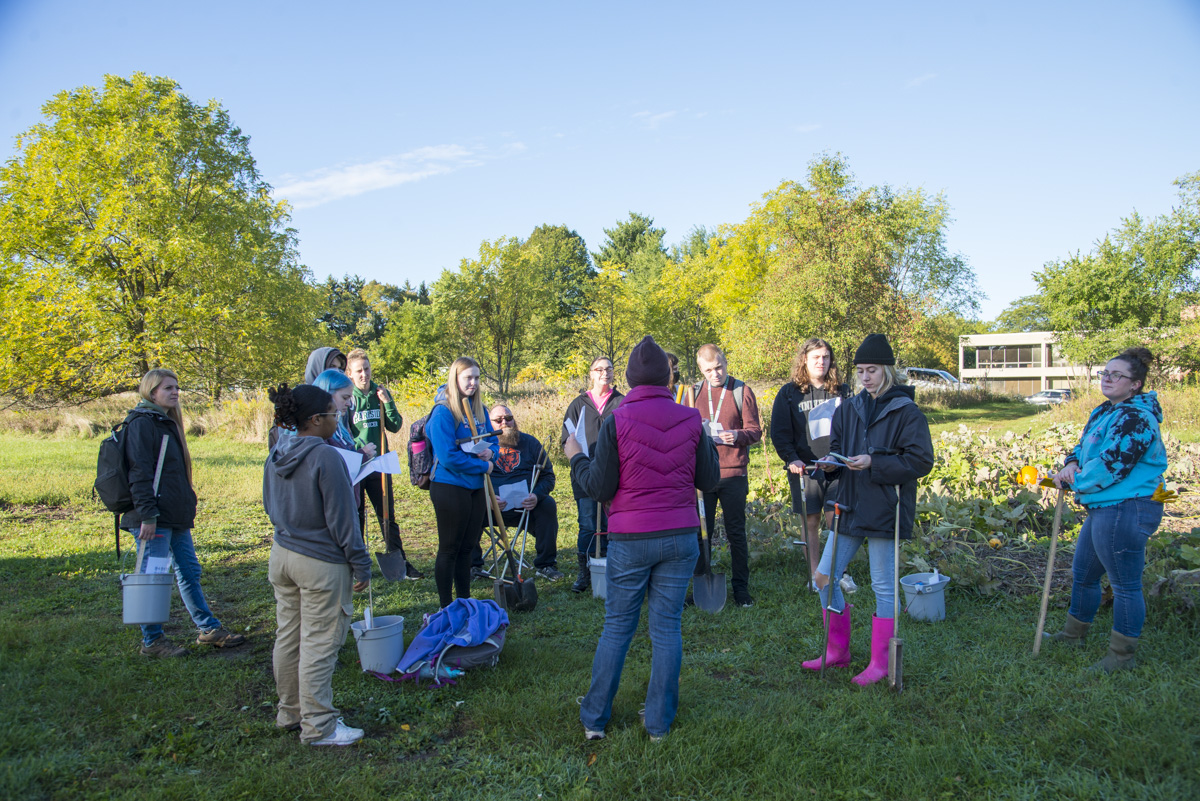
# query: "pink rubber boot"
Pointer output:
{"type": "Point", "coordinates": [838, 652]}
{"type": "Point", "coordinates": [882, 629]}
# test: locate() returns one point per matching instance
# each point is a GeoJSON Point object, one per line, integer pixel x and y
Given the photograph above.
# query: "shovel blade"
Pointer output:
{"type": "Point", "coordinates": [526, 596]}
{"type": "Point", "coordinates": [392, 565]}
{"type": "Point", "coordinates": [896, 664]}
{"type": "Point", "coordinates": [709, 591]}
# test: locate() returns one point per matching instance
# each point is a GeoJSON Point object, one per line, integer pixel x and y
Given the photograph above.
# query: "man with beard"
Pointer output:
{"type": "Point", "coordinates": [519, 456]}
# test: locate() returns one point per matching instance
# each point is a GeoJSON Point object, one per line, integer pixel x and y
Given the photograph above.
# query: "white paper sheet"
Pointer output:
{"type": "Point", "coordinates": [387, 463]}
{"type": "Point", "coordinates": [476, 447]}
{"type": "Point", "coordinates": [156, 564]}
{"type": "Point", "coordinates": [353, 460]}
{"type": "Point", "coordinates": [820, 418]}
{"type": "Point", "coordinates": [715, 429]}
{"type": "Point", "coordinates": [579, 432]}
{"type": "Point", "coordinates": [513, 494]}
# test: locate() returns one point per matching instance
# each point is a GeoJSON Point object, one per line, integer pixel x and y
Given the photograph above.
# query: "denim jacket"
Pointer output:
{"type": "Point", "coordinates": [1121, 453]}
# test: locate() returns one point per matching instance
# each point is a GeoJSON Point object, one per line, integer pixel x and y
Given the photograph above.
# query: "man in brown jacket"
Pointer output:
{"type": "Point", "coordinates": [730, 414]}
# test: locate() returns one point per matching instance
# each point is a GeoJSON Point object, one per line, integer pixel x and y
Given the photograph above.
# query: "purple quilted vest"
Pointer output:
{"type": "Point", "coordinates": [656, 444]}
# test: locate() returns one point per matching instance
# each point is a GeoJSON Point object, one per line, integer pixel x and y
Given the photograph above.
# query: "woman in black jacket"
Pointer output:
{"type": "Point", "coordinates": [886, 439]}
{"type": "Point", "coordinates": [591, 408]}
{"type": "Point", "coordinates": [162, 520]}
{"type": "Point", "coordinates": [801, 420]}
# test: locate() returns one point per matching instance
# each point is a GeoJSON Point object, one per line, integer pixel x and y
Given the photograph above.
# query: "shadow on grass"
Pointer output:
{"type": "Point", "coordinates": [986, 416]}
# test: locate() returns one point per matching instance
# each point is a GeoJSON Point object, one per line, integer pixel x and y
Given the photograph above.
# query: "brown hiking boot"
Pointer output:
{"type": "Point", "coordinates": [163, 648]}
{"type": "Point", "coordinates": [1072, 633]}
{"type": "Point", "coordinates": [1120, 654]}
{"type": "Point", "coordinates": [220, 638]}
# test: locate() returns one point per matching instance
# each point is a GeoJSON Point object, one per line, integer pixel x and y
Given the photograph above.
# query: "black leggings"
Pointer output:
{"type": "Point", "coordinates": [459, 513]}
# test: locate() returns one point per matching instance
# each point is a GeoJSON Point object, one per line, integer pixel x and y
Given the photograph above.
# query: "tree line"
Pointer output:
{"type": "Point", "coordinates": [135, 230]}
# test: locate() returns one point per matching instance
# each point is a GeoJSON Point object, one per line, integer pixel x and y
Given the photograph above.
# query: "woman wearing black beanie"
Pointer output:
{"type": "Point", "coordinates": [885, 438]}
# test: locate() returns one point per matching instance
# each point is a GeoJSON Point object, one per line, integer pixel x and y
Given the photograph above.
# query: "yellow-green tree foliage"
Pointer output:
{"type": "Point", "coordinates": [833, 260]}
{"type": "Point", "coordinates": [135, 232]}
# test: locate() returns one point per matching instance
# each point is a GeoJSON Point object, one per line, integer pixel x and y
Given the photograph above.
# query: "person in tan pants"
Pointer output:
{"type": "Point", "coordinates": [317, 561]}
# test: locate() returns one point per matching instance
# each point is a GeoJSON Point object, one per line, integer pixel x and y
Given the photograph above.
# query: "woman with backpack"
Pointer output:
{"type": "Point", "coordinates": [885, 440]}
{"type": "Point", "coordinates": [456, 485]}
{"type": "Point", "coordinates": [801, 418]}
{"type": "Point", "coordinates": [317, 561]}
{"type": "Point", "coordinates": [592, 407]}
{"type": "Point", "coordinates": [164, 506]}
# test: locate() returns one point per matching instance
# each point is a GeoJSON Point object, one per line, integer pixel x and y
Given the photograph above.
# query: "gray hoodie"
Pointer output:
{"type": "Point", "coordinates": [316, 363]}
{"type": "Point", "coordinates": [308, 496]}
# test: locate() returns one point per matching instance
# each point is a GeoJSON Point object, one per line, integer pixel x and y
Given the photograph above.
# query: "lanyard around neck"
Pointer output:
{"type": "Point", "coordinates": [711, 414]}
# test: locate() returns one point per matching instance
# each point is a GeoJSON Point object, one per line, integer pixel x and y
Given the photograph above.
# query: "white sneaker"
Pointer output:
{"type": "Point", "coordinates": [848, 585]}
{"type": "Point", "coordinates": [342, 735]}
{"type": "Point", "coordinates": [593, 735]}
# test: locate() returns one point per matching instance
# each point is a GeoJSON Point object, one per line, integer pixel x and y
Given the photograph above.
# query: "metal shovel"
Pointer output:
{"type": "Point", "coordinates": [392, 564]}
{"type": "Point", "coordinates": [708, 588]}
{"type": "Point", "coordinates": [895, 644]}
{"type": "Point", "coordinates": [512, 590]}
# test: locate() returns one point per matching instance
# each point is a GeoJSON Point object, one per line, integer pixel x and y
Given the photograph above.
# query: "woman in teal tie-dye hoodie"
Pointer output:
{"type": "Point", "coordinates": [1114, 471]}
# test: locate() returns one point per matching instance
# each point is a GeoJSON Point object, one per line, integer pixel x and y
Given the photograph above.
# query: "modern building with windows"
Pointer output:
{"type": "Point", "coordinates": [1023, 363]}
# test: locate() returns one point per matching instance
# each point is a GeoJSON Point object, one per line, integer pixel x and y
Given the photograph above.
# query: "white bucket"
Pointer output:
{"type": "Point", "coordinates": [598, 566]}
{"type": "Point", "coordinates": [381, 646]}
{"type": "Point", "coordinates": [146, 598]}
{"type": "Point", "coordinates": [926, 602]}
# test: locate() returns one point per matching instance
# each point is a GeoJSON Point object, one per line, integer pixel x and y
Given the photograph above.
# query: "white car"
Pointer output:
{"type": "Point", "coordinates": [928, 378]}
{"type": "Point", "coordinates": [1050, 397]}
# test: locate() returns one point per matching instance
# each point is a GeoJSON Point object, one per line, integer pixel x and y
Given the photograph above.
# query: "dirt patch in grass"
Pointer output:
{"type": "Point", "coordinates": [29, 513]}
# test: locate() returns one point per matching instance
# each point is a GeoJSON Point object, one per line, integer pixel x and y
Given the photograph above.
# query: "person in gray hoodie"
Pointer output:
{"type": "Point", "coordinates": [323, 359]}
{"type": "Point", "coordinates": [318, 558]}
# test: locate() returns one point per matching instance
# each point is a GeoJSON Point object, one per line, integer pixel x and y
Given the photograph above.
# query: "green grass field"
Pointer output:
{"type": "Point", "coordinates": [85, 716]}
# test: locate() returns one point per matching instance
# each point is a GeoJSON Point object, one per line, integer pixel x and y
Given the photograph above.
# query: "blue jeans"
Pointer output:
{"type": "Point", "coordinates": [882, 556]}
{"type": "Point", "coordinates": [587, 527]}
{"type": "Point", "coordinates": [661, 568]}
{"type": "Point", "coordinates": [177, 543]}
{"type": "Point", "coordinates": [1113, 541]}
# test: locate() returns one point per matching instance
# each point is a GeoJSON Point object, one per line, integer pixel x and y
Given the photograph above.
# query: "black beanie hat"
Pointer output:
{"type": "Point", "coordinates": [647, 364]}
{"type": "Point", "coordinates": [310, 400]}
{"type": "Point", "coordinates": [874, 350]}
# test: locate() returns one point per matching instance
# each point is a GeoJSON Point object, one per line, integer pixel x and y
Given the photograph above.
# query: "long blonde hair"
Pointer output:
{"type": "Point", "coordinates": [151, 381]}
{"type": "Point", "coordinates": [454, 395]}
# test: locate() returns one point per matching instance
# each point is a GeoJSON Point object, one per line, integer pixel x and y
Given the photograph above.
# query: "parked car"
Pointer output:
{"type": "Point", "coordinates": [1050, 397]}
{"type": "Point", "coordinates": [928, 378]}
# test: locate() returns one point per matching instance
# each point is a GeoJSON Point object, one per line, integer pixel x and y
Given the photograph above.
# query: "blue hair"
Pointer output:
{"type": "Point", "coordinates": [332, 381]}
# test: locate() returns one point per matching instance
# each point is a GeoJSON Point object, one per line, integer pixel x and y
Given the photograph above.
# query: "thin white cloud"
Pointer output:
{"type": "Point", "coordinates": [920, 79]}
{"type": "Point", "coordinates": [334, 183]}
{"type": "Point", "coordinates": [651, 120]}
{"type": "Point", "coordinates": [808, 127]}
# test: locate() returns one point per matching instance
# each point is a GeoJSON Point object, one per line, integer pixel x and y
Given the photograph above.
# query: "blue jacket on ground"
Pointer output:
{"type": "Point", "coordinates": [465, 622]}
{"type": "Point", "coordinates": [1121, 453]}
{"type": "Point", "coordinates": [453, 465]}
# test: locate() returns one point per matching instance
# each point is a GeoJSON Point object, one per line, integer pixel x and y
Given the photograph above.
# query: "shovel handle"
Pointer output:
{"type": "Point", "coordinates": [1058, 507]}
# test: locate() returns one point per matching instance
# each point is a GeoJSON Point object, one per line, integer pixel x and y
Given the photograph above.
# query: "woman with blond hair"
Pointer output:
{"type": "Point", "coordinates": [456, 484]}
{"type": "Point", "coordinates": [801, 421]}
{"type": "Point", "coordinates": [162, 519]}
{"type": "Point", "coordinates": [885, 440]}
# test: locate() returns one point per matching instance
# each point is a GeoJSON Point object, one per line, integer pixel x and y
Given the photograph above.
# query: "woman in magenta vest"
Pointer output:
{"type": "Point", "coordinates": [650, 458]}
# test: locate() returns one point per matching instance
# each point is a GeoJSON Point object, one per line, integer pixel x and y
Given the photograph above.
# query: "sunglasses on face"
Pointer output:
{"type": "Point", "coordinates": [502, 419]}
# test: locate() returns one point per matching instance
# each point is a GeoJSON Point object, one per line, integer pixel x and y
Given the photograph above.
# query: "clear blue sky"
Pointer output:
{"type": "Point", "coordinates": [404, 134]}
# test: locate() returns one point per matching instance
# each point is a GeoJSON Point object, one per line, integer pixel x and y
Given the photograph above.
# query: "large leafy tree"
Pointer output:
{"type": "Point", "coordinates": [560, 254]}
{"type": "Point", "coordinates": [135, 231]}
{"type": "Point", "coordinates": [489, 308]}
{"type": "Point", "coordinates": [832, 259]}
{"type": "Point", "coordinates": [1131, 288]}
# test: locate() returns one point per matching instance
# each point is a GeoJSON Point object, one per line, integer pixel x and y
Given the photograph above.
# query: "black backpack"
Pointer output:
{"type": "Point", "coordinates": [112, 478]}
{"type": "Point", "coordinates": [420, 459]}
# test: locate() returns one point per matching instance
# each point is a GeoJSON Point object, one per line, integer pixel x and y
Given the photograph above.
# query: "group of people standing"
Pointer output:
{"type": "Point", "coordinates": [656, 458]}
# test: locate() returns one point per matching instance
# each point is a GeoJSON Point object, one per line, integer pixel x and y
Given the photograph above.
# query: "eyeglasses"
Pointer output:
{"type": "Point", "coordinates": [602, 369]}
{"type": "Point", "coordinates": [502, 419]}
{"type": "Point", "coordinates": [1110, 374]}
{"type": "Point", "coordinates": [326, 414]}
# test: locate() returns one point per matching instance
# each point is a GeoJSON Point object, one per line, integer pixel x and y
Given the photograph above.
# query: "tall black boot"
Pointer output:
{"type": "Point", "coordinates": [584, 582]}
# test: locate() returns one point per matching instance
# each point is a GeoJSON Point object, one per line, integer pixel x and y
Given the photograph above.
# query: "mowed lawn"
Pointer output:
{"type": "Point", "coordinates": [84, 715]}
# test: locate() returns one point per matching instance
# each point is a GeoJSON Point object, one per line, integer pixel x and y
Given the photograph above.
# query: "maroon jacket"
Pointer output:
{"type": "Point", "coordinates": [651, 456]}
{"type": "Point", "coordinates": [735, 458]}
